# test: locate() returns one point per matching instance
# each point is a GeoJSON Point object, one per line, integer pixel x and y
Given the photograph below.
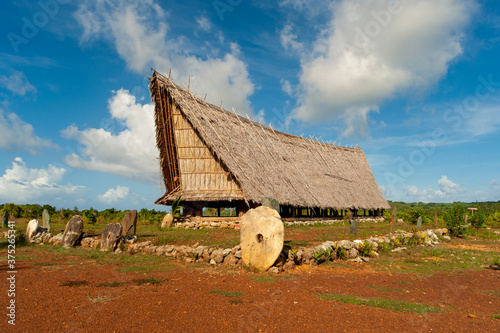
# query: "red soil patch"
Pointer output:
{"type": "Point", "coordinates": [196, 298]}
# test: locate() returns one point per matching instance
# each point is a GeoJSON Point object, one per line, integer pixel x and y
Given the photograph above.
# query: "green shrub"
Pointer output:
{"type": "Point", "coordinates": [477, 220]}
{"type": "Point", "coordinates": [454, 218]}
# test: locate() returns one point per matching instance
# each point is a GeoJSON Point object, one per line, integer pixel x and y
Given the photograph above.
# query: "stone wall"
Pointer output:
{"type": "Point", "coordinates": [356, 250]}
{"type": "Point", "coordinates": [235, 224]}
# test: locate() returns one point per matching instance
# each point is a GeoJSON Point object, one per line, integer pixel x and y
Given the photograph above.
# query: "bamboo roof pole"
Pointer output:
{"type": "Point", "coordinates": [172, 141]}
{"type": "Point", "coordinates": [165, 136]}
{"type": "Point", "coordinates": [275, 164]}
{"type": "Point", "coordinates": [298, 170]}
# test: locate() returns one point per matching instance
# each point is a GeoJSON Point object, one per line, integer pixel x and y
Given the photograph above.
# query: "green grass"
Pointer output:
{"type": "Point", "coordinates": [387, 289]}
{"type": "Point", "coordinates": [264, 278]}
{"type": "Point", "coordinates": [402, 282]}
{"type": "Point", "coordinates": [430, 260]}
{"type": "Point", "coordinates": [495, 293]}
{"type": "Point", "coordinates": [495, 316]}
{"type": "Point", "coordinates": [74, 283]}
{"type": "Point", "coordinates": [111, 284]}
{"type": "Point", "coordinates": [141, 282]}
{"type": "Point", "coordinates": [227, 293]}
{"type": "Point", "coordinates": [380, 303]}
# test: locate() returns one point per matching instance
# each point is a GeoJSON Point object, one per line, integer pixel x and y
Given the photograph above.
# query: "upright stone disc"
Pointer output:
{"type": "Point", "coordinates": [261, 237]}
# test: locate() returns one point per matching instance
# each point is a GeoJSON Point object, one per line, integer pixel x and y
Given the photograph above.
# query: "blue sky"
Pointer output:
{"type": "Point", "coordinates": [416, 84]}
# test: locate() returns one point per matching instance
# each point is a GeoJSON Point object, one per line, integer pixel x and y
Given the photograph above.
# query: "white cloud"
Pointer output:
{"type": "Point", "coordinates": [16, 134]}
{"type": "Point", "coordinates": [286, 87]}
{"type": "Point", "coordinates": [446, 186]}
{"type": "Point", "coordinates": [17, 83]}
{"type": "Point", "coordinates": [130, 153]}
{"type": "Point", "coordinates": [309, 8]}
{"type": "Point", "coordinates": [21, 184]}
{"type": "Point", "coordinates": [204, 23]}
{"type": "Point", "coordinates": [114, 195]}
{"type": "Point", "coordinates": [139, 33]}
{"type": "Point", "coordinates": [447, 191]}
{"type": "Point", "coordinates": [374, 52]}
{"type": "Point", "coordinates": [483, 121]}
{"type": "Point", "coordinates": [289, 40]}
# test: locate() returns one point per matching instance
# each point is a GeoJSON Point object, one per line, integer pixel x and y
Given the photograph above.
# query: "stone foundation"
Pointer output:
{"type": "Point", "coordinates": [357, 250]}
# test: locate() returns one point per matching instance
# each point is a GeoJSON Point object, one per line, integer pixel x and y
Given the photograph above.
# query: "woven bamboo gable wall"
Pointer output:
{"type": "Point", "coordinates": [202, 175]}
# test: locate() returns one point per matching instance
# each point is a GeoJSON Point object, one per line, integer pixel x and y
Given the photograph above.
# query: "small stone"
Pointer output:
{"type": "Point", "coordinates": [226, 252]}
{"type": "Point", "coordinates": [289, 266]}
{"type": "Point", "coordinates": [212, 262]}
{"type": "Point", "coordinates": [298, 257]}
{"type": "Point", "coordinates": [353, 253]}
{"type": "Point", "coordinates": [274, 270]}
{"type": "Point", "coordinates": [129, 223]}
{"type": "Point", "coordinates": [236, 249]}
{"type": "Point", "coordinates": [399, 249]}
{"type": "Point", "coordinates": [238, 254]}
{"type": "Point", "coordinates": [448, 238]}
{"type": "Point", "coordinates": [346, 245]}
{"type": "Point", "coordinates": [56, 240]}
{"type": "Point", "coordinates": [365, 259]}
{"type": "Point", "coordinates": [356, 260]}
{"type": "Point", "coordinates": [73, 231]}
{"type": "Point", "coordinates": [224, 226]}
{"type": "Point", "coordinates": [230, 260]}
{"type": "Point", "coordinates": [217, 256]}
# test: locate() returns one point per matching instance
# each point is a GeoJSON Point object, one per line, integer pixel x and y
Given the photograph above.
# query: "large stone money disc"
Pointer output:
{"type": "Point", "coordinates": [261, 237]}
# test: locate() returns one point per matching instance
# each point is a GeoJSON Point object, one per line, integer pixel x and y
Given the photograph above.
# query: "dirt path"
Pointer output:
{"type": "Point", "coordinates": [59, 293]}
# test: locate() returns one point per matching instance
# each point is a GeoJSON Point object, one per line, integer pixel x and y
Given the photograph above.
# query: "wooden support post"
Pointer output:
{"type": "Point", "coordinates": [394, 220]}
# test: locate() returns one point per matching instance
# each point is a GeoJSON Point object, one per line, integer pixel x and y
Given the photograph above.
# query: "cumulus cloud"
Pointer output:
{"type": "Point", "coordinates": [17, 83]}
{"type": "Point", "coordinates": [375, 50]}
{"type": "Point", "coordinates": [446, 190]}
{"type": "Point", "coordinates": [131, 153]}
{"type": "Point", "coordinates": [139, 32]}
{"type": "Point", "coordinates": [22, 184]}
{"type": "Point", "coordinates": [114, 195]}
{"type": "Point", "coordinates": [16, 134]}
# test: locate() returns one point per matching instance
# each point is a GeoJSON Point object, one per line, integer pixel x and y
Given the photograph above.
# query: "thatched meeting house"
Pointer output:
{"type": "Point", "coordinates": [215, 158]}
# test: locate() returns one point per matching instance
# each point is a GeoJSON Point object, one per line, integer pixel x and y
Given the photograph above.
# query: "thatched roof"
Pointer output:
{"type": "Point", "coordinates": [266, 163]}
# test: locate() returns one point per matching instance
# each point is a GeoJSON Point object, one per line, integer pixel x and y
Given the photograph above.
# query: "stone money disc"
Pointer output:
{"type": "Point", "coordinates": [261, 237]}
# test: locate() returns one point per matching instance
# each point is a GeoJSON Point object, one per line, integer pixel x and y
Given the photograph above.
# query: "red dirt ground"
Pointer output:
{"type": "Point", "coordinates": [190, 299]}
